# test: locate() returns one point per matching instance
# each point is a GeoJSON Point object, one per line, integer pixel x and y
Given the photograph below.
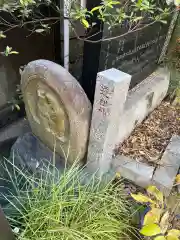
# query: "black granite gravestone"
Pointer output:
{"type": "Point", "coordinates": [136, 53]}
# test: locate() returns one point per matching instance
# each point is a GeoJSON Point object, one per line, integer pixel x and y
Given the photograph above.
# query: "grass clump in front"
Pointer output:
{"type": "Point", "coordinates": [50, 205]}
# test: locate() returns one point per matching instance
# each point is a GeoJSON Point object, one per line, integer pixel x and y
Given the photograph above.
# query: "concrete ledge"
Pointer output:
{"type": "Point", "coordinates": [164, 175]}
{"type": "Point", "coordinates": [142, 100]}
{"type": "Point", "coordinates": [139, 173]}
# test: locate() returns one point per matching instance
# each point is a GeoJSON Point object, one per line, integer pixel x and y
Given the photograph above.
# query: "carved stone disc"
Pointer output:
{"type": "Point", "coordinates": [57, 108]}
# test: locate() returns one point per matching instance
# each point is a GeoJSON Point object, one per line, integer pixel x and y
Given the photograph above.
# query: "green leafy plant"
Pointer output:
{"type": "Point", "coordinates": [130, 15]}
{"type": "Point", "coordinates": [156, 222]}
{"type": "Point", "coordinates": [8, 51]}
{"type": "Point", "coordinates": [52, 204]}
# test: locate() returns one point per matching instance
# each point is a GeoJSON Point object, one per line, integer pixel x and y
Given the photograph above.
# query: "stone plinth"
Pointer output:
{"type": "Point", "coordinates": [30, 153]}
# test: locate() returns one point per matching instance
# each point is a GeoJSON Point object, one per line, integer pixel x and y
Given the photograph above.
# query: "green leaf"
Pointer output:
{"type": "Point", "coordinates": [118, 175]}
{"type": "Point", "coordinates": [172, 237]}
{"type": "Point", "coordinates": [141, 198]}
{"type": "Point", "coordinates": [150, 230]}
{"type": "Point", "coordinates": [178, 179]}
{"type": "Point", "coordinates": [114, 2]}
{"type": "Point", "coordinates": [85, 23]}
{"type": "Point", "coordinates": [160, 238]}
{"type": "Point", "coordinates": [137, 19]}
{"type": "Point", "coordinates": [109, 5]}
{"type": "Point", "coordinates": [17, 107]}
{"type": "Point", "coordinates": [7, 50]}
{"type": "Point", "coordinates": [95, 9]}
{"type": "Point", "coordinates": [177, 3]}
{"type": "Point", "coordinates": [163, 21]}
{"type": "Point", "coordinates": [45, 26]}
{"type": "Point", "coordinates": [40, 30]}
{"type": "Point", "coordinates": [164, 224]}
{"type": "Point", "coordinates": [156, 193]}
{"type": "Point", "coordinates": [2, 35]}
{"type": "Point", "coordinates": [153, 216]}
{"type": "Point", "coordinates": [22, 2]}
{"type": "Point", "coordinates": [14, 52]}
{"type": "Point", "coordinates": [174, 232]}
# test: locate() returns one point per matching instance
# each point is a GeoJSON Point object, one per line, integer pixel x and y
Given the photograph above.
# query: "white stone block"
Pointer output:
{"type": "Point", "coordinates": [137, 172]}
{"type": "Point", "coordinates": [110, 95]}
{"type": "Point", "coordinates": [165, 174]}
{"type": "Point", "coordinates": [142, 100]}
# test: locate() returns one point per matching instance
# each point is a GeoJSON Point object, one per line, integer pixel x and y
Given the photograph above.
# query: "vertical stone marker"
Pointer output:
{"type": "Point", "coordinates": [111, 91]}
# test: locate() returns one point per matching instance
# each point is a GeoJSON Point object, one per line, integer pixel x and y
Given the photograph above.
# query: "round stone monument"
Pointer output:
{"type": "Point", "coordinates": [57, 108]}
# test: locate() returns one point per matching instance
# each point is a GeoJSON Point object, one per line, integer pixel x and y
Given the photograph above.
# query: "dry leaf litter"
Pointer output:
{"type": "Point", "coordinates": [149, 140]}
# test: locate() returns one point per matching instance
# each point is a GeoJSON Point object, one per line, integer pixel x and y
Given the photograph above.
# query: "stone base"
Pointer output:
{"type": "Point", "coordinates": [137, 172]}
{"type": "Point", "coordinates": [31, 153]}
{"type": "Point", "coordinates": [144, 175]}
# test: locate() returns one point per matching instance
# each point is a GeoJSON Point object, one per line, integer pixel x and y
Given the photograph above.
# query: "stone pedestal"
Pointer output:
{"type": "Point", "coordinates": [30, 153]}
{"type": "Point", "coordinates": [111, 90]}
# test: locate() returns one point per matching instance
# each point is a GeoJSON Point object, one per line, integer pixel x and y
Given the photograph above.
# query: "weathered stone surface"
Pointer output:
{"type": "Point", "coordinates": [111, 90]}
{"type": "Point", "coordinates": [31, 153]}
{"type": "Point", "coordinates": [164, 175]}
{"type": "Point", "coordinates": [14, 130]}
{"type": "Point", "coordinates": [142, 100]}
{"type": "Point", "coordinates": [179, 184]}
{"type": "Point", "coordinates": [57, 108]}
{"type": "Point", "coordinates": [137, 172]}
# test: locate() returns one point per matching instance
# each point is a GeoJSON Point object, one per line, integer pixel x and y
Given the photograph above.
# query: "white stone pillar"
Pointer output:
{"type": "Point", "coordinates": [110, 95]}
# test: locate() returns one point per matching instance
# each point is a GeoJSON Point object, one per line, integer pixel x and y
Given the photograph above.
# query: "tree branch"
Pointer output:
{"type": "Point", "coordinates": [112, 38]}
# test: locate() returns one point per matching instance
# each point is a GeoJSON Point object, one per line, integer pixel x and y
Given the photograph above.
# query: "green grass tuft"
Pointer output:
{"type": "Point", "coordinates": [50, 205]}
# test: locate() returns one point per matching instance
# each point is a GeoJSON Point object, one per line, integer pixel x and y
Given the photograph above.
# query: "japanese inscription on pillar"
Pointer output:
{"type": "Point", "coordinates": [104, 100]}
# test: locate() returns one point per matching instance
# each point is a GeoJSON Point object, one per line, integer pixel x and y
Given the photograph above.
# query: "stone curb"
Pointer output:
{"type": "Point", "coordinates": [137, 172]}
{"type": "Point", "coordinates": [165, 175]}
{"type": "Point", "coordinates": [144, 175]}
